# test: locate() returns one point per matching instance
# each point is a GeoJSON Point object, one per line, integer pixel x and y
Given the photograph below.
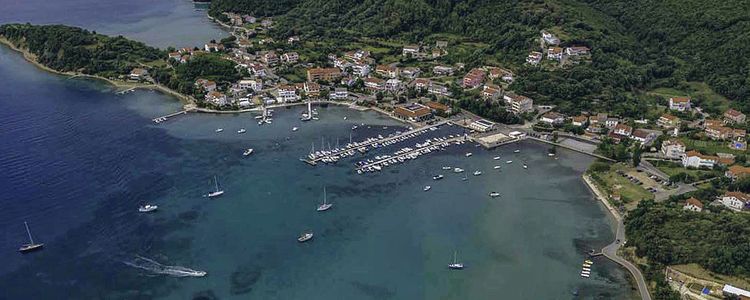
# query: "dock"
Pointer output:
{"type": "Point", "coordinates": [402, 156]}
{"type": "Point", "coordinates": [164, 118]}
{"type": "Point", "coordinates": [126, 91]}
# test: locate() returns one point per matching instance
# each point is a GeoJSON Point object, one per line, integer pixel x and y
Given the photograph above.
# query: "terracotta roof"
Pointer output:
{"type": "Point", "coordinates": [733, 113]}
{"type": "Point", "coordinates": [674, 142]}
{"type": "Point", "coordinates": [738, 171]}
{"type": "Point", "coordinates": [693, 153]}
{"type": "Point", "coordinates": [694, 202]}
{"type": "Point", "coordinates": [437, 106]}
{"type": "Point", "coordinates": [669, 117]}
{"type": "Point", "coordinates": [680, 99]}
{"type": "Point", "coordinates": [640, 133]}
{"type": "Point", "coordinates": [739, 195]}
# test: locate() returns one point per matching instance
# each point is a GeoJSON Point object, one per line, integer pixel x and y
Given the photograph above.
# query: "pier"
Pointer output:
{"type": "Point", "coordinates": [364, 145]}
{"type": "Point", "coordinates": [126, 91]}
{"type": "Point", "coordinates": [164, 118]}
{"type": "Point", "coordinates": [401, 156]}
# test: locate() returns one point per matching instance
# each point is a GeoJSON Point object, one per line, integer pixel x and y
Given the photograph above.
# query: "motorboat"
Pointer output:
{"type": "Point", "coordinates": [437, 177]}
{"type": "Point", "coordinates": [219, 130]}
{"type": "Point", "coordinates": [426, 188]}
{"type": "Point", "coordinates": [295, 128]}
{"type": "Point", "coordinates": [468, 154]}
{"type": "Point", "coordinates": [247, 152]}
{"type": "Point", "coordinates": [458, 170]}
{"type": "Point", "coordinates": [509, 162]}
{"type": "Point", "coordinates": [241, 131]}
{"type": "Point", "coordinates": [517, 151]}
{"type": "Point", "coordinates": [447, 168]}
{"type": "Point", "coordinates": [148, 208]}
{"type": "Point", "coordinates": [305, 236]}
{"type": "Point", "coordinates": [477, 173]}
{"type": "Point", "coordinates": [496, 167]}
{"type": "Point", "coordinates": [494, 194]}
{"type": "Point", "coordinates": [496, 158]}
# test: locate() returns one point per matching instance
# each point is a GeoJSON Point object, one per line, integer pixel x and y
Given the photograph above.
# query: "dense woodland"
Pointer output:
{"type": "Point", "coordinates": [637, 45]}
{"type": "Point", "coordinates": [66, 48]}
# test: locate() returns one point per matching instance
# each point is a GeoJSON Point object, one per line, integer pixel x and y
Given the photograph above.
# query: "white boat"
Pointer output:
{"type": "Point", "coordinates": [585, 275]}
{"type": "Point", "coordinates": [509, 162]}
{"type": "Point", "coordinates": [447, 168]}
{"type": "Point", "coordinates": [494, 194]}
{"type": "Point", "coordinates": [477, 173]}
{"type": "Point", "coordinates": [525, 166]}
{"type": "Point", "coordinates": [325, 205]}
{"type": "Point", "coordinates": [468, 154]}
{"type": "Point", "coordinates": [437, 177]}
{"type": "Point", "coordinates": [242, 130]}
{"type": "Point", "coordinates": [464, 178]}
{"type": "Point", "coordinates": [455, 265]}
{"type": "Point", "coordinates": [496, 158]}
{"type": "Point", "coordinates": [248, 152]}
{"type": "Point", "coordinates": [426, 188]}
{"type": "Point", "coordinates": [147, 208]}
{"type": "Point", "coordinates": [295, 128]}
{"type": "Point", "coordinates": [586, 269]}
{"type": "Point", "coordinates": [31, 246]}
{"type": "Point", "coordinates": [586, 272]}
{"type": "Point", "coordinates": [458, 170]}
{"type": "Point", "coordinates": [219, 130]}
{"type": "Point", "coordinates": [305, 236]}
{"type": "Point", "coordinates": [585, 265]}
{"type": "Point", "coordinates": [496, 167]}
{"type": "Point", "coordinates": [588, 262]}
{"type": "Point", "coordinates": [216, 192]}
{"type": "Point", "coordinates": [550, 154]}
{"type": "Point", "coordinates": [517, 151]}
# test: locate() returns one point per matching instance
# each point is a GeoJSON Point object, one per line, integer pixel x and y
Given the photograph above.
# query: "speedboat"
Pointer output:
{"type": "Point", "coordinates": [550, 154]}
{"type": "Point", "coordinates": [242, 130]}
{"type": "Point", "coordinates": [447, 168]}
{"type": "Point", "coordinates": [304, 237]}
{"type": "Point", "coordinates": [509, 162]}
{"type": "Point", "coordinates": [477, 173]}
{"type": "Point", "coordinates": [496, 167]}
{"type": "Point", "coordinates": [525, 166]}
{"type": "Point", "coordinates": [248, 152]}
{"type": "Point", "coordinates": [354, 127]}
{"type": "Point", "coordinates": [147, 208]}
{"type": "Point", "coordinates": [426, 188]}
{"type": "Point", "coordinates": [458, 170]}
{"type": "Point", "coordinates": [494, 194]}
{"type": "Point", "coordinates": [468, 154]}
{"type": "Point", "coordinates": [437, 177]}
{"type": "Point", "coordinates": [517, 151]}
{"type": "Point", "coordinates": [496, 158]}
{"type": "Point", "coordinates": [589, 262]}
{"type": "Point", "coordinates": [219, 130]}
{"type": "Point", "coordinates": [295, 128]}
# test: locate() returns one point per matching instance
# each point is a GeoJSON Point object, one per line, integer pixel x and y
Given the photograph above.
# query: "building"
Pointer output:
{"type": "Point", "coordinates": [697, 160]}
{"type": "Point", "coordinates": [360, 70]}
{"type": "Point", "coordinates": [643, 136]}
{"type": "Point", "coordinates": [578, 120]}
{"type": "Point", "coordinates": [287, 93]}
{"type": "Point", "coordinates": [251, 84]}
{"type": "Point", "coordinates": [387, 71]}
{"type": "Point", "coordinates": [534, 58]}
{"type": "Point", "coordinates": [373, 83]}
{"type": "Point", "coordinates": [679, 103]}
{"type": "Point", "coordinates": [474, 78]}
{"type": "Point", "coordinates": [693, 205]}
{"type": "Point", "coordinates": [735, 200]}
{"type": "Point", "coordinates": [410, 72]}
{"type": "Point", "coordinates": [737, 172]}
{"type": "Point", "coordinates": [622, 129]}
{"type": "Point", "coordinates": [550, 38]}
{"type": "Point", "coordinates": [554, 53]}
{"type": "Point", "coordinates": [393, 84]}
{"type": "Point", "coordinates": [441, 44]}
{"type": "Point", "coordinates": [491, 91]}
{"type": "Point", "coordinates": [442, 70]}
{"type": "Point", "coordinates": [438, 89]}
{"type": "Point", "coordinates": [339, 94]}
{"type": "Point", "coordinates": [205, 85]}
{"type": "Point", "coordinates": [312, 88]}
{"type": "Point", "coordinates": [175, 56]}
{"type": "Point", "coordinates": [668, 121]}
{"type": "Point", "coordinates": [421, 84]}
{"type": "Point", "coordinates": [410, 50]}
{"type": "Point", "coordinates": [482, 125]}
{"type": "Point", "coordinates": [138, 74]}
{"type": "Point", "coordinates": [213, 47]}
{"type": "Point", "coordinates": [439, 107]}
{"type": "Point", "coordinates": [270, 58]}
{"type": "Point", "coordinates": [216, 98]}
{"type": "Point", "coordinates": [719, 132]}
{"type": "Point", "coordinates": [732, 116]}
{"type": "Point", "coordinates": [413, 112]}
{"type": "Point", "coordinates": [518, 104]}
{"type": "Point", "coordinates": [577, 51]}
{"type": "Point", "coordinates": [672, 149]}
{"type": "Point", "coordinates": [552, 118]}
{"type": "Point", "coordinates": [324, 74]}
{"type": "Point", "coordinates": [292, 39]}
{"type": "Point", "coordinates": [290, 57]}
{"type": "Point", "coordinates": [712, 123]}
{"type": "Point", "coordinates": [503, 74]}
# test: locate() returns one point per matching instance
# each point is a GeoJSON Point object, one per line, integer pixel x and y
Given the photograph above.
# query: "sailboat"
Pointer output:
{"type": "Point", "coordinates": [31, 246]}
{"type": "Point", "coordinates": [455, 265]}
{"type": "Point", "coordinates": [217, 192]}
{"type": "Point", "coordinates": [325, 205]}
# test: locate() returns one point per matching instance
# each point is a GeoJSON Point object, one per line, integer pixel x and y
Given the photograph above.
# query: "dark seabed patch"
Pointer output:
{"type": "Point", "coordinates": [373, 291]}
{"type": "Point", "coordinates": [243, 279]}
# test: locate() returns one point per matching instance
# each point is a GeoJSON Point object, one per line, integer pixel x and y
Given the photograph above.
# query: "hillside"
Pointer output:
{"type": "Point", "coordinates": [637, 46]}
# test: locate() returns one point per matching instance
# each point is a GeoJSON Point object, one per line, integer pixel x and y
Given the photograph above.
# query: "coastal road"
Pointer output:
{"type": "Point", "coordinates": [610, 251]}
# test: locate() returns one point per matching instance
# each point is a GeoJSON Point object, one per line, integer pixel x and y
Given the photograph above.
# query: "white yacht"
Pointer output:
{"type": "Point", "coordinates": [517, 151]}
{"type": "Point", "coordinates": [496, 167]}
{"type": "Point", "coordinates": [509, 162]}
{"type": "Point", "coordinates": [219, 130]}
{"type": "Point", "coordinates": [455, 265]}
{"type": "Point", "coordinates": [447, 168]}
{"type": "Point", "coordinates": [325, 205]}
{"type": "Point", "coordinates": [305, 236]}
{"type": "Point", "coordinates": [468, 154]}
{"type": "Point", "coordinates": [216, 192]}
{"type": "Point", "coordinates": [241, 131]}
{"type": "Point", "coordinates": [496, 158]}
{"type": "Point", "coordinates": [477, 173]}
{"type": "Point", "coordinates": [458, 170]}
{"type": "Point", "coordinates": [148, 208]}
{"type": "Point", "coordinates": [426, 188]}
{"type": "Point", "coordinates": [437, 177]}
{"type": "Point", "coordinates": [525, 166]}
{"type": "Point", "coordinates": [494, 194]}
{"type": "Point", "coordinates": [247, 152]}
{"type": "Point", "coordinates": [295, 128]}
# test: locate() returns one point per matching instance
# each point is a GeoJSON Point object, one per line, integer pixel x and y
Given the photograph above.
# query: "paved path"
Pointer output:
{"type": "Point", "coordinates": [610, 251]}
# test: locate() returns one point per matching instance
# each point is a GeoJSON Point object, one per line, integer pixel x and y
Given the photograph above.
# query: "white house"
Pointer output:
{"type": "Point", "coordinates": [360, 70]}
{"type": "Point", "coordinates": [482, 125]}
{"type": "Point", "coordinates": [393, 84]}
{"type": "Point", "coordinates": [696, 160]}
{"type": "Point", "coordinates": [550, 38]}
{"type": "Point", "coordinates": [255, 85]}
{"type": "Point", "coordinates": [410, 50]}
{"type": "Point", "coordinates": [735, 200]}
{"type": "Point", "coordinates": [552, 118]}
{"type": "Point", "coordinates": [287, 93]}
{"type": "Point", "coordinates": [216, 98]}
{"type": "Point", "coordinates": [672, 149]}
{"type": "Point", "coordinates": [339, 94]}
{"type": "Point", "coordinates": [679, 103]}
{"type": "Point", "coordinates": [622, 129]}
{"type": "Point", "coordinates": [693, 204]}
{"type": "Point", "coordinates": [518, 104]}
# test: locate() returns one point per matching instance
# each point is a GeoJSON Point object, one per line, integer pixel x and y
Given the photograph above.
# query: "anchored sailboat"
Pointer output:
{"type": "Point", "coordinates": [31, 246]}
{"type": "Point", "coordinates": [216, 192]}
{"type": "Point", "coordinates": [455, 265]}
{"type": "Point", "coordinates": [325, 205]}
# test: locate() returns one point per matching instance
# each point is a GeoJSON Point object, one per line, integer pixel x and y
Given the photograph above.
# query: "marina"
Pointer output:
{"type": "Point", "coordinates": [408, 153]}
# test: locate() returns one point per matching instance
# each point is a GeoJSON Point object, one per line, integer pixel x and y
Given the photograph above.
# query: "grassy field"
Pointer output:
{"type": "Point", "coordinates": [630, 193]}
{"type": "Point", "coordinates": [697, 271]}
{"type": "Point", "coordinates": [672, 168]}
{"type": "Point", "coordinates": [696, 90]}
{"type": "Point", "coordinates": [709, 147]}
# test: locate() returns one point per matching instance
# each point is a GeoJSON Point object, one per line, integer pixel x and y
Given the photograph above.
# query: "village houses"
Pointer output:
{"type": "Point", "coordinates": [518, 104]}
{"type": "Point", "coordinates": [552, 118]}
{"type": "Point", "coordinates": [672, 149]}
{"type": "Point", "coordinates": [287, 93]}
{"type": "Point", "coordinates": [410, 50]}
{"type": "Point", "coordinates": [736, 172]}
{"type": "Point", "coordinates": [325, 74]}
{"type": "Point", "coordinates": [413, 112]}
{"type": "Point", "coordinates": [205, 85]}
{"type": "Point", "coordinates": [697, 160]}
{"type": "Point", "coordinates": [693, 204]}
{"type": "Point", "coordinates": [668, 121]}
{"type": "Point", "coordinates": [339, 94]}
{"type": "Point", "coordinates": [578, 121]}
{"type": "Point", "coordinates": [387, 71]}
{"type": "Point", "coordinates": [442, 70]}
{"type": "Point", "coordinates": [290, 57]}
{"type": "Point", "coordinates": [732, 116]}
{"type": "Point", "coordinates": [491, 91]}
{"type": "Point", "coordinates": [550, 38]}
{"type": "Point", "coordinates": [679, 103]}
{"type": "Point", "coordinates": [534, 58]}
{"type": "Point", "coordinates": [736, 201]}
{"type": "Point", "coordinates": [374, 83]}
{"type": "Point", "coordinates": [216, 98]}
{"type": "Point", "coordinates": [251, 84]}
{"type": "Point", "coordinates": [474, 78]}
{"type": "Point", "coordinates": [577, 51]}
{"type": "Point", "coordinates": [138, 74]}
{"type": "Point", "coordinates": [554, 53]}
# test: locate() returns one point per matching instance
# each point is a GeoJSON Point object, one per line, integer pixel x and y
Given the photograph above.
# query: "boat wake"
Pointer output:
{"type": "Point", "coordinates": [155, 267]}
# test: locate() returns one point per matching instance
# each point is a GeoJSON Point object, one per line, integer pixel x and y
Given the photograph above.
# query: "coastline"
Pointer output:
{"type": "Point", "coordinates": [28, 56]}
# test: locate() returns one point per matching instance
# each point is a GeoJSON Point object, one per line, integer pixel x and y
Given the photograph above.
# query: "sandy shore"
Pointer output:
{"type": "Point", "coordinates": [602, 197]}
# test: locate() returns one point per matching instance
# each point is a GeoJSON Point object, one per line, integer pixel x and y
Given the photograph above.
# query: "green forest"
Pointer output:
{"type": "Point", "coordinates": [65, 48]}
{"type": "Point", "coordinates": [637, 45]}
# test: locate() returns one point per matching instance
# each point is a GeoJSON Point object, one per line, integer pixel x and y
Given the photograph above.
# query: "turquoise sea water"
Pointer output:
{"type": "Point", "coordinates": [77, 160]}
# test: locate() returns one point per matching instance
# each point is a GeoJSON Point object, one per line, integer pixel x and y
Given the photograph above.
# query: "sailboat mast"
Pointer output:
{"type": "Point", "coordinates": [216, 183]}
{"type": "Point", "coordinates": [28, 232]}
{"type": "Point", "coordinates": [325, 198]}
{"type": "Point", "coordinates": [455, 259]}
